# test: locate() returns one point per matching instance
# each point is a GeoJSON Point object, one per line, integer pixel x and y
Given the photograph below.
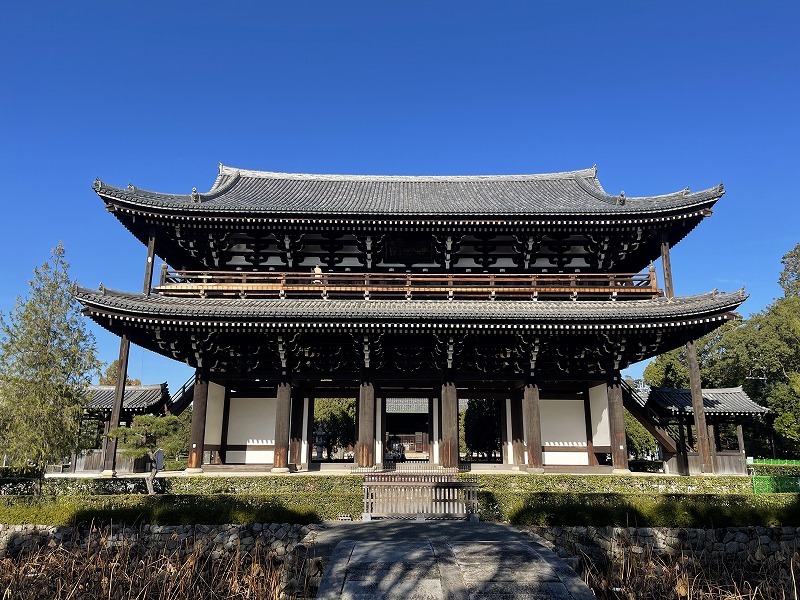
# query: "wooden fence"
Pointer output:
{"type": "Point", "coordinates": [419, 495]}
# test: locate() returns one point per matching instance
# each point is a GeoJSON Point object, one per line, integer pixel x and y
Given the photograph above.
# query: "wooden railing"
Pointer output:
{"type": "Point", "coordinates": [499, 286]}
{"type": "Point", "coordinates": [419, 495]}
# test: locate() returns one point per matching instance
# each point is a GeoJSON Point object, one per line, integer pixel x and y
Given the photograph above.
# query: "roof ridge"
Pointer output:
{"type": "Point", "coordinates": [254, 174]}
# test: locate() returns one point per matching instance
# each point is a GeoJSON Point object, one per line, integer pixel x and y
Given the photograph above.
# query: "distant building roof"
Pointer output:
{"type": "Point", "coordinates": [239, 191]}
{"type": "Point", "coordinates": [138, 398]}
{"type": "Point", "coordinates": [724, 401]}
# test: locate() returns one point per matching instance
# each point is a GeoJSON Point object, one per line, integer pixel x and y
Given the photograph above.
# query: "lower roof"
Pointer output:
{"type": "Point", "coordinates": [137, 398]}
{"type": "Point", "coordinates": [722, 401]}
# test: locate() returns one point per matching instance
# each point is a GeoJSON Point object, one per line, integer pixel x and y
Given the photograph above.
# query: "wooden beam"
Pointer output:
{"type": "Point", "coordinates": [587, 414]}
{"type": "Point", "coordinates": [198, 431]}
{"type": "Point", "coordinates": [110, 448]}
{"type": "Point", "coordinates": [533, 427]}
{"type": "Point", "coordinates": [448, 449]}
{"type": "Point", "coordinates": [517, 428]}
{"type": "Point", "coordinates": [280, 461]}
{"type": "Point", "coordinates": [616, 417]}
{"type": "Point", "coordinates": [148, 267]}
{"type": "Point", "coordinates": [703, 443]}
{"type": "Point", "coordinates": [365, 446]}
{"type": "Point", "coordinates": [669, 290]}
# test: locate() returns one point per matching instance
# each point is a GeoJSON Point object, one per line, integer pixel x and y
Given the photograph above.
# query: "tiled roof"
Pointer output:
{"type": "Point", "coordinates": [731, 401]}
{"type": "Point", "coordinates": [217, 310]}
{"type": "Point", "coordinates": [274, 194]}
{"type": "Point", "coordinates": [137, 398]}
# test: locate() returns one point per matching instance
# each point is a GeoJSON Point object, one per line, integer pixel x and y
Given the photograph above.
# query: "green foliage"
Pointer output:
{"type": "Point", "coordinates": [47, 358]}
{"type": "Point", "coordinates": [22, 472]}
{"type": "Point", "coordinates": [776, 484]}
{"type": "Point", "coordinates": [337, 417]}
{"type": "Point", "coordinates": [146, 434]}
{"type": "Point", "coordinates": [789, 279]}
{"type": "Point", "coordinates": [776, 470]}
{"type": "Point", "coordinates": [109, 377]}
{"type": "Point", "coordinates": [481, 427]}
{"type": "Point", "coordinates": [641, 443]}
{"type": "Point", "coordinates": [634, 510]}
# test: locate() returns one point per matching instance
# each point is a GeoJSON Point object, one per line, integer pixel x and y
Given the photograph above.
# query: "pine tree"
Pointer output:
{"type": "Point", "coordinates": [47, 358]}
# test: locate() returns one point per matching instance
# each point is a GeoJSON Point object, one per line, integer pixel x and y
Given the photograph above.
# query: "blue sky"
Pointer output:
{"type": "Point", "coordinates": [659, 95]}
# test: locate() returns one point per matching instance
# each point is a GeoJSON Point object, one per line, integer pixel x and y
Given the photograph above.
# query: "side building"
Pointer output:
{"type": "Point", "coordinates": [532, 290]}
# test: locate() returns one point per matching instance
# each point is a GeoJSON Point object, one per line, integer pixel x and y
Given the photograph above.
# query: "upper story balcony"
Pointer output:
{"type": "Point", "coordinates": [409, 286]}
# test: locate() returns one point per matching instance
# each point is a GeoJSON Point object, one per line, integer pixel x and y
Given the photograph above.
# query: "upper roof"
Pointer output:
{"type": "Point", "coordinates": [723, 401]}
{"type": "Point", "coordinates": [238, 191]}
{"type": "Point", "coordinates": [137, 398]}
{"type": "Point", "coordinates": [516, 313]}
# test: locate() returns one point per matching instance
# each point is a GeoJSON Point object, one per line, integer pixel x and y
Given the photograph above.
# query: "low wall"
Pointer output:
{"type": "Point", "coordinates": [729, 544]}
{"type": "Point", "coordinates": [280, 539]}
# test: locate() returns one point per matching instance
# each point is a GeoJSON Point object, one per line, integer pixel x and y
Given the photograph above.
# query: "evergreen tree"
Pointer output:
{"type": "Point", "coordinates": [47, 358]}
{"type": "Point", "coordinates": [144, 437]}
{"type": "Point", "coordinates": [109, 377]}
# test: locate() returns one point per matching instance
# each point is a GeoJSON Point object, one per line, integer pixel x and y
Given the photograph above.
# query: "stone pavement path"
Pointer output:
{"type": "Point", "coordinates": [430, 561]}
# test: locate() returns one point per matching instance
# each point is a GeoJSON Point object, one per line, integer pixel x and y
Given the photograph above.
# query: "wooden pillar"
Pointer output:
{"type": "Point", "coordinates": [711, 430]}
{"type": "Point", "coordinates": [296, 431]}
{"type": "Point", "coordinates": [448, 449]}
{"type": "Point", "coordinates": [198, 431]}
{"type": "Point", "coordinates": [283, 415]}
{"type": "Point", "coordinates": [683, 452]}
{"type": "Point", "coordinates": [616, 417]}
{"type": "Point", "coordinates": [666, 265]}
{"type": "Point", "coordinates": [365, 446]}
{"type": "Point", "coordinates": [742, 451]}
{"type": "Point", "coordinates": [148, 268]}
{"type": "Point", "coordinates": [517, 428]}
{"type": "Point", "coordinates": [435, 420]}
{"type": "Point", "coordinates": [222, 453]}
{"type": "Point", "coordinates": [587, 414]}
{"type": "Point", "coordinates": [533, 427]}
{"type": "Point", "coordinates": [380, 431]}
{"type": "Point", "coordinates": [110, 448]}
{"type": "Point", "coordinates": [703, 443]}
{"type": "Point", "coordinates": [506, 455]}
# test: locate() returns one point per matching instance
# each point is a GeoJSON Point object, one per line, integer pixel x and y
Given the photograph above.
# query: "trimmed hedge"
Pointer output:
{"type": "Point", "coordinates": [636, 510]}
{"type": "Point", "coordinates": [772, 485]}
{"type": "Point", "coordinates": [166, 509]}
{"type": "Point", "coordinates": [21, 472]}
{"type": "Point", "coordinates": [777, 470]}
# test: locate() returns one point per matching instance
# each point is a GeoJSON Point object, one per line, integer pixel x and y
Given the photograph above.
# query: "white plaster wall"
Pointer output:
{"type": "Point", "coordinates": [252, 422]}
{"type": "Point", "coordinates": [563, 423]}
{"type": "Point", "coordinates": [601, 428]}
{"type": "Point", "coordinates": [565, 458]}
{"type": "Point", "coordinates": [215, 406]}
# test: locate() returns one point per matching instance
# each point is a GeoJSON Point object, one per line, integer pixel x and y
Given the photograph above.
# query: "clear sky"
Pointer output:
{"type": "Point", "coordinates": [660, 95]}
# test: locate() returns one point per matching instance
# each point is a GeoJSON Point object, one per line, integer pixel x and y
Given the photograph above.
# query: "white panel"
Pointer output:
{"type": "Point", "coordinates": [304, 435]}
{"type": "Point", "coordinates": [565, 458]}
{"type": "Point", "coordinates": [379, 428]}
{"type": "Point", "coordinates": [252, 421]}
{"type": "Point", "coordinates": [259, 457]}
{"type": "Point", "coordinates": [235, 457]}
{"type": "Point", "coordinates": [435, 405]}
{"type": "Point", "coordinates": [601, 428]}
{"type": "Point", "coordinates": [509, 435]}
{"type": "Point", "coordinates": [563, 422]}
{"type": "Point", "coordinates": [214, 409]}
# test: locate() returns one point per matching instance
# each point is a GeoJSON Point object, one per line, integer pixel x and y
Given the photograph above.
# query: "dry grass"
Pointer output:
{"type": "Point", "coordinates": [128, 571]}
{"type": "Point", "coordinates": [645, 576]}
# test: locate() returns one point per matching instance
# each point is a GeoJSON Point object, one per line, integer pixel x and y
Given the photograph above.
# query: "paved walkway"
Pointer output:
{"type": "Point", "coordinates": [452, 560]}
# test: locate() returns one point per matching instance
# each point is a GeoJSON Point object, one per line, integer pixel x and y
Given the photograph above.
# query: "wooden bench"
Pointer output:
{"type": "Point", "coordinates": [419, 495]}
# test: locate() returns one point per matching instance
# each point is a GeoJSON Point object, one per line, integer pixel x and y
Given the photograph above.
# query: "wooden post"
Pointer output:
{"type": "Point", "coordinates": [148, 267]}
{"type": "Point", "coordinates": [533, 427]}
{"type": "Point", "coordinates": [616, 417]}
{"type": "Point", "coordinates": [283, 415]}
{"type": "Point", "coordinates": [448, 449]}
{"type": "Point", "coordinates": [517, 428]}
{"type": "Point", "coordinates": [296, 431]}
{"type": "Point", "coordinates": [683, 452]}
{"type": "Point", "coordinates": [365, 446]}
{"type": "Point", "coordinates": [587, 414]}
{"type": "Point", "coordinates": [110, 448]}
{"type": "Point", "coordinates": [197, 436]}
{"type": "Point", "coordinates": [222, 453]}
{"type": "Point", "coordinates": [666, 265]}
{"type": "Point", "coordinates": [742, 452]}
{"type": "Point", "coordinates": [703, 443]}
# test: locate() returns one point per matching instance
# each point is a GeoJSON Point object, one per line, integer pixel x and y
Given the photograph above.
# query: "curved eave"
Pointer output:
{"type": "Point", "coordinates": [432, 315]}
{"type": "Point", "coordinates": [598, 206]}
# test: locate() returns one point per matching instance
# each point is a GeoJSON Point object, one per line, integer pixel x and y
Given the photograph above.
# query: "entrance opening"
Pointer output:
{"type": "Point", "coordinates": [479, 430]}
{"type": "Point", "coordinates": [334, 433]}
{"type": "Point", "coordinates": [407, 430]}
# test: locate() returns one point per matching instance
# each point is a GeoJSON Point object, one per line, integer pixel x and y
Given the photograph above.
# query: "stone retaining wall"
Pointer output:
{"type": "Point", "coordinates": [730, 544]}
{"type": "Point", "coordinates": [278, 539]}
